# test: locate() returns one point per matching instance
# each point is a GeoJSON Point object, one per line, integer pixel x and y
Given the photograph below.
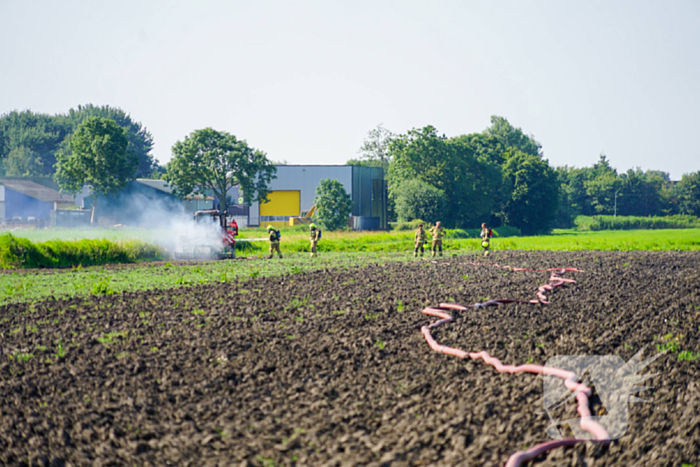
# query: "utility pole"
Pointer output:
{"type": "Point", "coordinates": [615, 209]}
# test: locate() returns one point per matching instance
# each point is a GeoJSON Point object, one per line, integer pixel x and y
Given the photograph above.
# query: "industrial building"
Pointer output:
{"type": "Point", "coordinates": [294, 189]}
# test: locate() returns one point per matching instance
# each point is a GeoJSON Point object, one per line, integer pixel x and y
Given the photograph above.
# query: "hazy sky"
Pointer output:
{"type": "Point", "coordinates": [306, 81]}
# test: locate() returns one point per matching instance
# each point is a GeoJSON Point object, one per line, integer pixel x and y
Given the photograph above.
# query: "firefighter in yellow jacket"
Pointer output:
{"type": "Point", "coordinates": [274, 241]}
{"type": "Point", "coordinates": [314, 238]}
{"type": "Point", "coordinates": [420, 239]}
{"type": "Point", "coordinates": [437, 233]}
{"type": "Point", "coordinates": [486, 235]}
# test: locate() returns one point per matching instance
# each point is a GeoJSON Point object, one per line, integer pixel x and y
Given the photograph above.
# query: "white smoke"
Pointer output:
{"type": "Point", "coordinates": [186, 239]}
{"type": "Point", "coordinates": [165, 223]}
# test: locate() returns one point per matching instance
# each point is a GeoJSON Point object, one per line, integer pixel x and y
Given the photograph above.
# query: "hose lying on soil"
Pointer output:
{"type": "Point", "coordinates": [570, 382]}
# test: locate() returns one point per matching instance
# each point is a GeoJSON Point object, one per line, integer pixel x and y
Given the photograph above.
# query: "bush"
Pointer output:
{"type": "Point", "coordinates": [636, 223]}
{"type": "Point", "coordinates": [333, 205]}
{"type": "Point", "coordinates": [418, 200]}
{"type": "Point", "coordinates": [16, 252]}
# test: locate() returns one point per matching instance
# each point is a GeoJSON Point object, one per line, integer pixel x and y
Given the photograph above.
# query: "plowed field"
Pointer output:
{"type": "Point", "coordinates": [330, 368]}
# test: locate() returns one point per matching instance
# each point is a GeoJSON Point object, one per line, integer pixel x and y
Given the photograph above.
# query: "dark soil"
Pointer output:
{"type": "Point", "coordinates": [330, 368]}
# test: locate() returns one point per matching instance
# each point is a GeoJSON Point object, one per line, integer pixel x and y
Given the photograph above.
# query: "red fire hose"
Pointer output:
{"type": "Point", "coordinates": [569, 378]}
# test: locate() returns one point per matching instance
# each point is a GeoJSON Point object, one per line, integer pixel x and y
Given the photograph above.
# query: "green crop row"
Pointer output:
{"type": "Point", "coordinates": [17, 252]}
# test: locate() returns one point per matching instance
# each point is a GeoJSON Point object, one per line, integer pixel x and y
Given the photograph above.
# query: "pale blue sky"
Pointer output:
{"type": "Point", "coordinates": [305, 81]}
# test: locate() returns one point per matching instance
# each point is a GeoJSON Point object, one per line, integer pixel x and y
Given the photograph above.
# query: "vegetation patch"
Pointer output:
{"type": "Point", "coordinates": [18, 252]}
{"type": "Point", "coordinates": [636, 223]}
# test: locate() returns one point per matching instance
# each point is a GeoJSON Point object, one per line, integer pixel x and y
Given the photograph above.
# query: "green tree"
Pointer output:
{"type": "Point", "coordinates": [511, 137]}
{"type": "Point", "coordinates": [45, 136]}
{"type": "Point", "coordinates": [534, 193]}
{"type": "Point", "coordinates": [640, 193]}
{"type": "Point", "coordinates": [418, 200]}
{"type": "Point", "coordinates": [32, 139]}
{"type": "Point", "coordinates": [688, 192]}
{"type": "Point", "coordinates": [23, 162]}
{"type": "Point", "coordinates": [574, 179]}
{"type": "Point", "coordinates": [567, 211]}
{"type": "Point", "coordinates": [214, 161]}
{"type": "Point", "coordinates": [449, 166]}
{"type": "Point", "coordinates": [375, 150]}
{"type": "Point", "coordinates": [481, 178]}
{"type": "Point", "coordinates": [98, 158]}
{"type": "Point", "coordinates": [604, 187]}
{"type": "Point", "coordinates": [333, 204]}
{"type": "Point", "coordinates": [140, 139]}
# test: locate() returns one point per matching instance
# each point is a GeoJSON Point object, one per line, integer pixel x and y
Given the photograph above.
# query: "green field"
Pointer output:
{"type": "Point", "coordinates": [338, 249]}
{"type": "Point", "coordinates": [296, 239]}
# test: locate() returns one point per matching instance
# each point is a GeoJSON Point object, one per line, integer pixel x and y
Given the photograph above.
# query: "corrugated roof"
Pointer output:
{"type": "Point", "coordinates": [160, 185]}
{"type": "Point", "coordinates": [36, 191]}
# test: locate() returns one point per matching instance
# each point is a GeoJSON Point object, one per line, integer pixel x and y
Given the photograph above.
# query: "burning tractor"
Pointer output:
{"type": "Point", "coordinates": [213, 237]}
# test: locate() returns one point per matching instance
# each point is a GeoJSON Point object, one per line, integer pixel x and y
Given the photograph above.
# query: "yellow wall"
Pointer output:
{"type": "Point", "coordinates": [282, 203]}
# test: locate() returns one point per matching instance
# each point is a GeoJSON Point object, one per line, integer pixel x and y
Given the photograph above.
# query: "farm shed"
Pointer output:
{"type": "Point", "coordinates": [23, 200]}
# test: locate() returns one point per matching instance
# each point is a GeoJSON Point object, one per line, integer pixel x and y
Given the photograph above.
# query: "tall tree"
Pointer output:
{"type": "Point", "coordinates": [511, 137]}
{"type": "Point", "coordinates": [448, 165]}
{"type": "Point", "coordinates": [333, 204]}
{"type": "Point", "coordinates": [215, 160]}
{"type": "Point", "coordinates": [375, 150]}
{"type": "Point", "coordinates": [23, 162]}
{"type": "Point", "coordinates": [140, 139]}
{"type": "Point", "coordinates": [32, 139]}
{"type": "Point", "coordinates": [604, 187]}
{"type": "Point", "coordinates": [534, 192]}
{"type": "Point", "coordinates": [481, 157]}
{"type": "Point", "coordinates": [98, 158]}
{"type": "Point", "coordinates": [568, 210]}
{"type": "Point", "coordinates": [688, 189]}
{"type": "Point", "coordinates": [641, 193]}
{"type": "Point", "coordinates": [47, 135]}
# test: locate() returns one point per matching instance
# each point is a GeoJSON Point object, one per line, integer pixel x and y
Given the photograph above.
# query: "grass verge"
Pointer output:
{"type": "Point", "coordinates": [18, 252]}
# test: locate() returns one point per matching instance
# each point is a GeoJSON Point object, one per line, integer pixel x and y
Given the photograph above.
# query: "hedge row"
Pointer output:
{"type": "Point", "coordinates": [636, 223]}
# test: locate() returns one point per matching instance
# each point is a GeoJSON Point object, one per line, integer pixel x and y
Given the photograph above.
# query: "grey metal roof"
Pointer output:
{"type": "Point", "coordinates": [160, 185]}
{"type": "Point", "coordinates": [36, 191]}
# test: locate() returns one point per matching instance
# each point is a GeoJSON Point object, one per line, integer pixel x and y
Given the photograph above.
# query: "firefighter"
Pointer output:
{"type": "Point", "coordinates": [315, 236]}
{"type": "Point", "coordinates": [229, 239]}
{"type": "Point", "coordinates": [274, 241]}
{"type": "Point", "coordinates": [486, 235]}
{"type": "Point", "coordinates": [420, 240]}
{"type": "Point", "coordinates": [437, 233]}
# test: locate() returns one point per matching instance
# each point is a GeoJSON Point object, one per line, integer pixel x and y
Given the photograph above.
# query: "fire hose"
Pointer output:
{"type": "Point", "coordinates": [570, 381]}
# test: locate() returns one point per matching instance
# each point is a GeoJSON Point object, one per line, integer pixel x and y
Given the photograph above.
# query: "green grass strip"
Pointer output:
{"type": "Point", "coordinates": [29, 286]}
{"type": "Point", "coordinates": [18, 252]}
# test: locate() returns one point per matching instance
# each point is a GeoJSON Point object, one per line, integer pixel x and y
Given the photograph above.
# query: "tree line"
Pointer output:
{"type": "Point", "coordinates": [31, 143]}
{"type": "Point", "coordinates": [500, 177]}
{"type": "Point", "coordinates": [104, 148]}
